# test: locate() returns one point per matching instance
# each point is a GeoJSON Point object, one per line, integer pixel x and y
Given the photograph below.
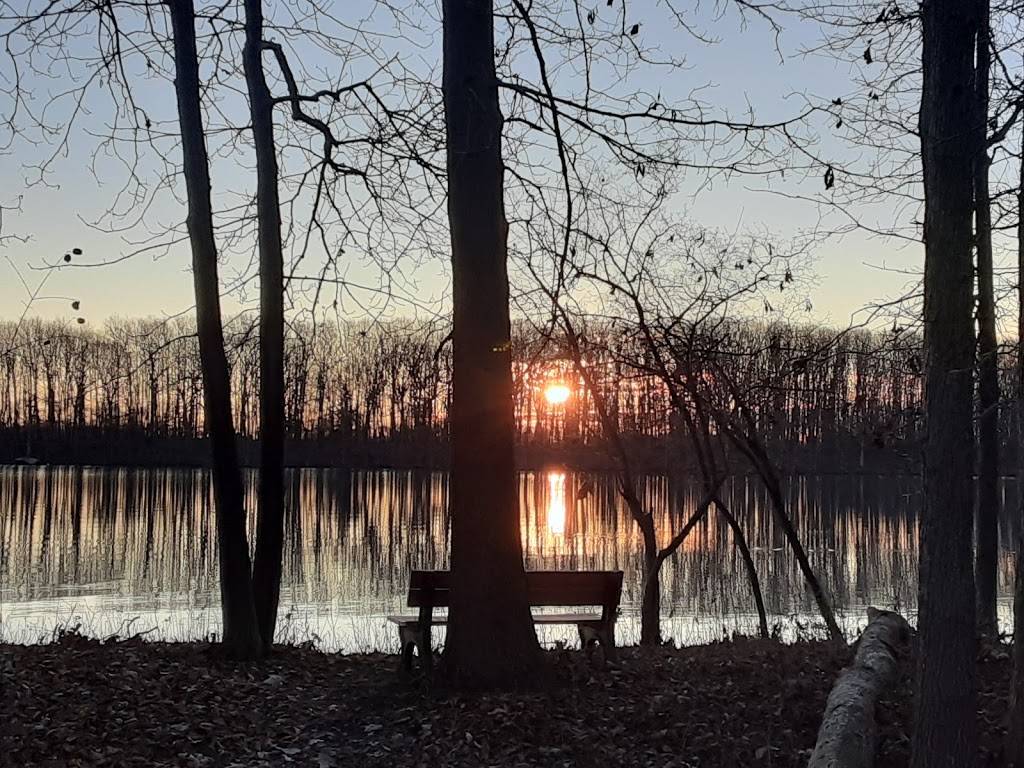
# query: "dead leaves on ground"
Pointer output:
{"type": "Point", "coordinates": [748, 702]}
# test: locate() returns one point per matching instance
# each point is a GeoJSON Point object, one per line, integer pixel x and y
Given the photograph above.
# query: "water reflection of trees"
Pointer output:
{"type": "Point", "coordinates": [353, 536]}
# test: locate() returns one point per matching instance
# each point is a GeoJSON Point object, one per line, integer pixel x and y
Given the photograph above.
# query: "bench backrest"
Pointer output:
{"type": "Point", "coordinates": [432, 589]}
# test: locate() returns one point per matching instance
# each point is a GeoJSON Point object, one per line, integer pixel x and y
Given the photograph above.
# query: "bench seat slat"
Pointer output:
{"type": "Point", "coordinates": [544, 588]}
{"type": "Point", "coordinates": [566, 618]}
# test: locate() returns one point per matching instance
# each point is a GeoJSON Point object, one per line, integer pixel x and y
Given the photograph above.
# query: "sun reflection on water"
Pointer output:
{"type": "Point", "coordinates": [556, 503]}
{"type": "Point", "coordinates": [117, 548]}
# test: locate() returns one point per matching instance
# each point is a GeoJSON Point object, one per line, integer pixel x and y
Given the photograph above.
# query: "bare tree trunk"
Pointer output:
{"type": "Point", "coordinates": [650, 601]}
{"type": "Point", "coordinates": [241, 636]}
{"type": "Point", "coordinates": [748, 563]}
{"type": "Point", "coordinates": [945, 733]}
{"type": "Point", "coordinates": [793, 538]}
{"type": "Point", "coordinates": [491, 640]}
{"type": "Point", "coordinates": [1015, 729]}
{"type": "Point", "coordinates": [266, 575]}
{"type": "Point", "coordinates": [987, 515]}
{"type": "Point", "coordinates": [744, 437]}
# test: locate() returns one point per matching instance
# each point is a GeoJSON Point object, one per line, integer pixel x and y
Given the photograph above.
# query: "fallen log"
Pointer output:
{"type": "Point", "coordinates": [848, 734]}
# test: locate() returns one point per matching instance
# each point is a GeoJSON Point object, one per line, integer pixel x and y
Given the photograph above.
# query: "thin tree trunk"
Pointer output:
{"type": "Point", "coordinates": [1015, 730]}
{"type": "Point", "coordinates": [744, 437]}
{"type": "Point", "coordinates": [241, 636]}
{"type": "Point", "coordinates": [793, 538]}
{"type": "Point", "coordinates": [945, 733]}
{"type": "Point", "coordinates": [491, 640]}
{"type": "Point", "coordinates": [987, 515]}
{"type": "Point", "coordinates": [748, 563]}
{"type": "Point", "coordinates": [266, 575]}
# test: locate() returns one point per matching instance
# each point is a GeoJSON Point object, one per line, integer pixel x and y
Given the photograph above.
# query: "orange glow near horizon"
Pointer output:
{"type": "Point", "coordinates": [557, 394]}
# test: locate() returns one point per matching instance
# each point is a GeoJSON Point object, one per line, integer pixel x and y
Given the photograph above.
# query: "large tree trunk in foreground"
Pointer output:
{"type": "Point", "coordinates": [1015, 730]}
{"type": "Point", "coordinates": [986, 556]}
{"type": "Point", "coordinates": [848, 735]}
{"type": "Point", "coordinates": [266, 576]}
{"type": "Point", "coordinates": [491, 640]}
{"type": "Point", "coordinates": [241, 636]}
{"type": "Point", "coordinates": [945, 733]}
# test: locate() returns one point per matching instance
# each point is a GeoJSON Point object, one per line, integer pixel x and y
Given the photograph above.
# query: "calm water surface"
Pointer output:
{"type": "Point", "coordinates": [127, 551]}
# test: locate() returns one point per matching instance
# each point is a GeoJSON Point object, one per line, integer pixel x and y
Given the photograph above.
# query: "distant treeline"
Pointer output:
{"type": "Point", "coordinates": [376, 394]}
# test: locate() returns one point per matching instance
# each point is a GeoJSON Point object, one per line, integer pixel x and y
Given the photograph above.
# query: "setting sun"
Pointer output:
{"type": "Point", "coordinates": [557, 394]}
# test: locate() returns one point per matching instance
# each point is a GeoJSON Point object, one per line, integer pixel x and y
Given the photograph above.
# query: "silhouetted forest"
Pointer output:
{"type": "Point", "coordinates": [376, 394]}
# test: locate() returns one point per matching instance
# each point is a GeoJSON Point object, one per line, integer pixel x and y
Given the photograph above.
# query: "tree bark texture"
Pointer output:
{"type": "Point", "coordinates": [491, 640]}
{"type": "Point", "coordinates": [945, 732]}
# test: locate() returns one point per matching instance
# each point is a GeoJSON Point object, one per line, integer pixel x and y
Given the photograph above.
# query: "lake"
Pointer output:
{"type": "Point", "coordinates": [125, 551]}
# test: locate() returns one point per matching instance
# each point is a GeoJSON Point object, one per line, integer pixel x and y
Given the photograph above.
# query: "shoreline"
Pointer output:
{"type": "Point", "coordinates": [82, 446]}
{"type": "Point", "coordinates": [6, 464]}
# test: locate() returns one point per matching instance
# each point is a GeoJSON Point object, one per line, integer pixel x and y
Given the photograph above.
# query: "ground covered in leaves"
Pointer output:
{"type": "Point", "coordinates": [79, 702]}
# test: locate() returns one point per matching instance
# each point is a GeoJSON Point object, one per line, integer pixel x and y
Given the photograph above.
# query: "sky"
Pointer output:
{"type": "Point", "coordinates": [42, 222]}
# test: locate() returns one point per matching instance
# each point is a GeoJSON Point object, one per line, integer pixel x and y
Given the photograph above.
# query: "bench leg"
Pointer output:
{"type": "Point", "coordinates": [588, 637]}
{"type": "Point", "coordinates": [426, 654]}
{"type": "Point", "coordinates": [607, 638]}
{"type": "Point", "coordinates": [407, 638]}
{"type": "Point", "coordinates": [603, 636]}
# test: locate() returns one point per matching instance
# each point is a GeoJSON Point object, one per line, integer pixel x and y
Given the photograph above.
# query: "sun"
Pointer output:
{"type": "Point", "coordinates": [557, 394]}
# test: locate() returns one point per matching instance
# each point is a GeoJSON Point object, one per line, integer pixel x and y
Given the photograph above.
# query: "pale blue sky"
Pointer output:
{"type": "Point", "coordinates": [744, 67]}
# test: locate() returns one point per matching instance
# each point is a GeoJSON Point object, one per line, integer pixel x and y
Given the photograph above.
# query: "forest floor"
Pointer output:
{"type": "Point", "coordinates": [80, 702]}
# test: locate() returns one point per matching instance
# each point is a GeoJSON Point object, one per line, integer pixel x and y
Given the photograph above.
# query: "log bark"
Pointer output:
{"type": "Point", "coordinates": [848, 735]}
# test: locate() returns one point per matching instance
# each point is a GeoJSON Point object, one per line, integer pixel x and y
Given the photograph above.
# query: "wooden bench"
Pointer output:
{"type": "Point", "coordinates": [431, 589]}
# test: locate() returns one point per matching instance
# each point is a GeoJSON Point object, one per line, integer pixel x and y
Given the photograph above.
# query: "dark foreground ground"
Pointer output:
{"type": "Point", "coordinates": [742, 703]}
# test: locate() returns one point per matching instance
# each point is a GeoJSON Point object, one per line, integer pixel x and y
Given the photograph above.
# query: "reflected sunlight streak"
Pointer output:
{"type": "Point", "coordinates": [556, 503]}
